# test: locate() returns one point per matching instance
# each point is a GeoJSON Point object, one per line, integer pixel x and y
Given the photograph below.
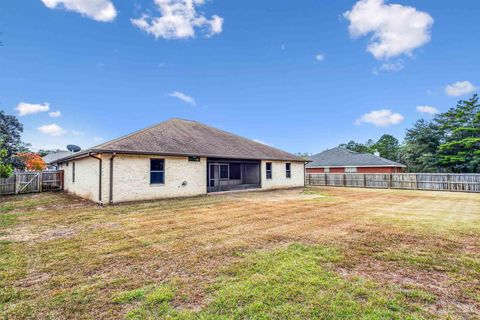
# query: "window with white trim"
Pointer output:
{"type": "Point", "coordinates": [288, 170]}
{"type": "Point", "coordinates": [269, 170]}
{"type": "Point", "coordinates": [350, 169]}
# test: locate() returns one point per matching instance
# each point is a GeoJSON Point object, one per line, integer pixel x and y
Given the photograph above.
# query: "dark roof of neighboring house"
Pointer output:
{"type": "Point", "coordinates": [341, 157]}
{"type": "Point", "coordinates": [189, 138]}
{"type": "Point", "coordinates": [54, 156]}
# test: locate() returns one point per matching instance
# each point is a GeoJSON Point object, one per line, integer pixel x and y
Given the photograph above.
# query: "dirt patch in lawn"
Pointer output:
{"type": "Point", "coordinates": [70, 259]}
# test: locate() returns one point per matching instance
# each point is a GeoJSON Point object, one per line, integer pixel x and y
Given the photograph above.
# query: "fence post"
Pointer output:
{"type": "Point", "coordinates": [390, 181]}
{"type": "Point", "coordinates": [326, 179]}
{"type": "Point", "coordinates": [449, 181]}
{"type": "Point", "coordinates": [416, 181]}
{"type": "Point", "coordinates": [344, 179]}
{"type": "Point", "coordinates": [17, 182]}
{"type": "Point", "coordinates": [364, 180]}
{"type": "Point", "coordinates": [40, 181]}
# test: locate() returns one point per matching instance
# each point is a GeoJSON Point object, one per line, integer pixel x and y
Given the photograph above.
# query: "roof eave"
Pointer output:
{"type": "Point", "coordinates": [110, 151]}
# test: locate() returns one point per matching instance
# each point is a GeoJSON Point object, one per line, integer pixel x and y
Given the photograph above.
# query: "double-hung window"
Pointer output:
{"type": "Point", "coordinates": [157, 171]}
{"type": "Point", "coordinates": [269, 170]}
{"type": "Point", "coordinates": [288, 170]}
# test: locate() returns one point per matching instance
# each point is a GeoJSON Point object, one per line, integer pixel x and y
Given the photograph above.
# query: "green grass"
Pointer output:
{"type": "Point", "coordinates": [297, 282]}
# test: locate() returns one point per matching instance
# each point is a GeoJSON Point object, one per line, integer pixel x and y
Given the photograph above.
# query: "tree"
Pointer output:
{"type": "Point", "coordinates": [304, 155]}
{"type": "Point", "coordinates": [460, 147]}
{"type": "Point", "coordinates": [419, 150]}
{"type": "Point", "coordinates": [10, 139]}
{"type": "Point", "coordinates": [6, 169]}
{"type": "Point", "coordinates": [358, 147]}
{"type": "Point", "coordinates": [32, 161]}
{"type": "Point", "coordinates": [388, 147]}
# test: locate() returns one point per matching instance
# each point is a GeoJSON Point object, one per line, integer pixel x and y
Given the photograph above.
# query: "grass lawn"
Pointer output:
{"type": "Point", "coordinates": [290, 254]}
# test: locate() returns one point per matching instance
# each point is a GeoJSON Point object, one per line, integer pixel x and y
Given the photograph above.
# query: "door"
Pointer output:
{"type": "Point", "coordinates": [218, 176]}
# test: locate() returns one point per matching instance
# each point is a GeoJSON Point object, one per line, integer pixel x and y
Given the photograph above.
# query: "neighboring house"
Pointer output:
{"type": "Point", "coordinates": [53, 157]}
{"type": "Point", "coordinates": [341, 160]}
{"type": "Point", "coordinates": [177, 158]}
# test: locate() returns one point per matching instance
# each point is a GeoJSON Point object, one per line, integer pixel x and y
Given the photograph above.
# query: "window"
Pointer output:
{"type": "Point", "coordinates": [326, 170]}
{"type": "Point", "coordinates": [288, 171]}
{"type": "Point", "coordinates": [157, 171]}
{"type": "Point", "coordinates": [350, 170]}
{"type": "Point", "coordinates": [269, 170]}
{"type": "Point", "coordinates": [73, 172]}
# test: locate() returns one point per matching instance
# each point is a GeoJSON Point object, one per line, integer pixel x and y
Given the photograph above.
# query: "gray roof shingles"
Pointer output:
{"type": "Point", "coordinates": [190, 138]}
{"type": "Point", "coordinates": [341, 157]}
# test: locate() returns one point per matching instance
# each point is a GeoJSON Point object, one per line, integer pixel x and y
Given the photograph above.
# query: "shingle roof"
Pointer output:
{"type": "Point", "coordinates": [341, 157]}
{"type": "Point", "coordinates": [54, 156]}
{"type": "Point", "coordinates": [190, 138]}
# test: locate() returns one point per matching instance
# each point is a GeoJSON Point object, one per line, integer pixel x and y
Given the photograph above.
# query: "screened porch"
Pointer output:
{"type": "Point", "coordinates": [227, 175]}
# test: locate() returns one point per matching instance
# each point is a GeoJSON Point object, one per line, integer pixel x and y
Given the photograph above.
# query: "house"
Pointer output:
{"type": "Point", "coordinates": [341, 160]}
{"type": "Point", "coordinates": [177, 158]}
{"type": "Point", "coordinates": [52, 157]}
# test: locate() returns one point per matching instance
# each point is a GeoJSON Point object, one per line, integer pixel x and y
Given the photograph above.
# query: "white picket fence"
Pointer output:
{"type": "Point", "coordinates": [464, 182]}
{"type": "Point", "coordinates": [31, 181]}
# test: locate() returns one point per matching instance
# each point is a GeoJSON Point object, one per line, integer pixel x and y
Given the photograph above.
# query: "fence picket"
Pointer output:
{"type": "Point", "coordinates": [459, 182]}
{"type": "Point", "coordinates": [28, 182]}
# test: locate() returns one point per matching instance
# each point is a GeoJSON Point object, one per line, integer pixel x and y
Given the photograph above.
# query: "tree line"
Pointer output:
{"type": "Point", "coordinates": [450, 142]}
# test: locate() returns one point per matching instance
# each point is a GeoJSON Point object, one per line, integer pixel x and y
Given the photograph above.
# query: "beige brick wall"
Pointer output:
{"type": "Point", "coordinates": [279, 177]}
{"type": "Point", "coordinates": [131, 177]}
{"type": "Point", "coordinates": [86, 178]}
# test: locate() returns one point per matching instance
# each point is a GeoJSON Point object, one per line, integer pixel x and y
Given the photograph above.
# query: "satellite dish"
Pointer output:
{"type": "Point", "coordinates": [73, 148]}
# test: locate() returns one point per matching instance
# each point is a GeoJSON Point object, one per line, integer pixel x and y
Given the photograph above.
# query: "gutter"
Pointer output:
{"type": "Point", "coordinates": [111, 178]}
{"type": "Point", "coordinates": [99, 177]}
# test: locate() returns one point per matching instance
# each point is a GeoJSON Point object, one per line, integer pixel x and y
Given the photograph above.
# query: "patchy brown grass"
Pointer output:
{"type": "Point", "coordinates": [66, 258]}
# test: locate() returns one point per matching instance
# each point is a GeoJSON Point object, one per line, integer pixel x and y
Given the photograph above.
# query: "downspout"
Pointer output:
{"type": "Point", "coordinates": [111, 178]}
{"type": "Point", "coordinates": [99, 177]}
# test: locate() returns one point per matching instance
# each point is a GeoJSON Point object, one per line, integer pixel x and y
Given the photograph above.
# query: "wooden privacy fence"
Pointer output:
{"type": "Point", "coordinates": [31, 181]}
{"type": "Point", "coordinates": [415, 181]}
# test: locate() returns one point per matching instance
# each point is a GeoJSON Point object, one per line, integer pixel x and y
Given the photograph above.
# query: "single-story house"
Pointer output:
{"type": "Point", "coordinates": [341, 160]}
{"type": "Point", "coordinates": [177, 158]}
{"type": "Point", "coordinates": [51, 158]}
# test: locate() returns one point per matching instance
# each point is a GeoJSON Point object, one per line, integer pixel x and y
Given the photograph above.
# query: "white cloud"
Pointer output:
{"type": "Point", "coordinates": [183, 97]}
{"type": "Point", "coordinates": [380, 118]}
{"type": "Point", "coordinates": [99, 10]}
{"type": "Point", "coordinates": [460, 88]}
{"type": "Point", "coordinates": [55, 114]}
{"type": "Point", "coordinates": [178, 20]}
{"type": "Point", "coordinates": [395, 29]}
{"type": "Point", "coordinates": [320, 57]}
{"type": "Point", "coordinates": [52, 130]}
{"type": "Point", "coordinates": [282, 46]}
{"type": "Point", "coordinates": [427, 109]}
{"type": "Point", "coordinates": [24, 108]}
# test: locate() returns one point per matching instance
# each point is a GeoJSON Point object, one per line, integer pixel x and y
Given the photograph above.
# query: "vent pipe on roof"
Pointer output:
{"type": "Point", "coordinates": [376, 153]}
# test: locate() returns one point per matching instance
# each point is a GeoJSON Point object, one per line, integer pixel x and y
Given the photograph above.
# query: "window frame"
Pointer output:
{"type": "Point", "coordinates": [288, 170]}
{"type": "Point", "coordinates": [350, 170]}
{"type": "Point", "coordinates": [269, 172]}
{"type": "Point", "coordinates": [157, 171]}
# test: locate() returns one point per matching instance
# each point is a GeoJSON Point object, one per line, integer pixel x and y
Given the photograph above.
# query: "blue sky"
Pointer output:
{"type": "Point", "coordinates": [299, 75]}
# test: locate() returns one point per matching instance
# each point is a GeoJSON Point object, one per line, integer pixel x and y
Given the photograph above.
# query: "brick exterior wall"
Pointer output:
{"type": "Point", "coordinates": [359, 170]}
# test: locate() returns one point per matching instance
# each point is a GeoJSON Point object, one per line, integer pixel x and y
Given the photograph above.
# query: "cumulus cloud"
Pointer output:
{"type": "Point", "coordinates": [380, 118]}
{"type": "Point", "coordinates": [55, 114]}
{"type": "Point", "coordinates": [427, 109]}
{"type": "Point", "coordinates": [460, 88]}
{"type": "Point", "coordinates": [178, 20]}
{"type": "Point", "coordinates": [99, 10]}
{"type": "Point", "coordinates": [320, 57]}
{"type": "Point", "coordinates": [53, 130]}
{"type": "Point", "coordinates": [395, 29]}
{"type": "Point", "coordinates": [25, 108]}
{"type": "Point", "coordinates": [183, 97]}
